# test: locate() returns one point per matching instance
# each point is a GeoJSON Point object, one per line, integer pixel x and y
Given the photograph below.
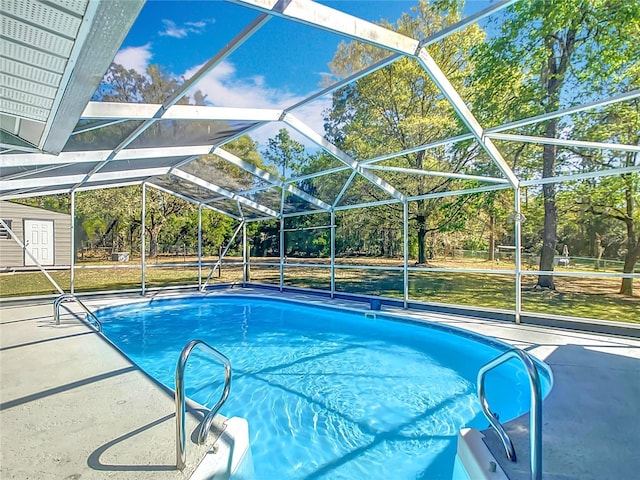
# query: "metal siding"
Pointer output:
{"type": "Point", "coordinates": [62, 239]}
{"type": "Point", "coordinates": [11, 255]}
{"type": "Point", "coordinates": [10, 252]}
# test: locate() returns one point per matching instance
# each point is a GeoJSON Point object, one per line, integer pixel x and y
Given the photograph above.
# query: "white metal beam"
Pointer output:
{"type": "Point", "coordinates": [456, 101]}
{"type": "Point", "coordinates": [344, 188]}
{"type": "Point", "coordinates": [145, 111]}
{"type": "Point", "coordinates": [465, 22]}
{"type": "Point", "coordinates": [419, 148]}
{"type": "Point", "coordinates": [97, 126]}
{"type": "Point", "coordinates": [186, 198]}
{"type": "Point", "coordinates": [377, 203]}
{"type": "Point", "coordinates": [431, 173]}
{"type": "Point", "coordinates": [33, 171]}
{"type": "Point", "coordinates": [346, 81]}
{"type": "Point", "coordinates": [71, 179]}
{"type": "Point", "coordinates": [563, 142]}
{"type": "Point", "coordinates": [246, 166]}
{"type": "Point", "coordinates": [609, 172]}
{"type": "Point", "coordinates": [123, 174]}
{"type": "Point", "coordinates": [453, 193]}
{"type": "Point", "coordinates": [29, 193]}
{"type": "Point", "coordinates": [193, 112]}
{"type": "Point", "coordinates": [327, 18]}
{"type": "Point", "coordinates": [274, 180]}
{"type": "Point", "coordinates": [88, 186]}
{"type": "Point", "coordinates": [191, 200]}
{"type": "Point", "coordinates": [224, 192]}
{"type": "Point", "coordinates": [161, 152]}
{"type": "Point", "coordinates": [340, 155]}
{"type": "Point", "coordinates": [318, 174]}
{"type": "Point", "coordinates": [34, 159]}
{"type": "Point", "coordinates": [623, 97]}
{"type": "Point", "coordinates": [303, 213]}
{"type": "Point", "coordinates": [119, 110]}
{"type": "Point", "coordinates": [91, 156]}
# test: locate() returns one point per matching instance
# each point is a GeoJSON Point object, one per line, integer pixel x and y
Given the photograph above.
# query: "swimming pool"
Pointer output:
{"type": "Point", "coordinates": [328, 393]}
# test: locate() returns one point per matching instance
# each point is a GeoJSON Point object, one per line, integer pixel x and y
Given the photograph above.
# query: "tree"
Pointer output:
{"type": "Point", "coordinates": [155, 85]}
{"type": "Point", "coordinates": [161, 207]}
{"type": "Point", "coordinates": [563, 51]}
{"type": "Point", "coordinates": [399, 107]}
{"type": "Point", "coordinates": [285, 152]}
{"type": "Point", "coordinates": [110, 217]}
{"type": "Point", "coordinates": [615, 198]}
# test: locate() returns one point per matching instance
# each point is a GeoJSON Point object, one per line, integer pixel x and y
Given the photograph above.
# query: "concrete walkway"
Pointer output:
{"type": "Point", "coordinates": [72, 407]}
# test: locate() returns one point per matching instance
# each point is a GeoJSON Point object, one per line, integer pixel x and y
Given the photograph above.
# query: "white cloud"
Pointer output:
{"type": "Point", "coordinates": [136, 58]}
{"type": "Point", "coordinates": [196, 25]}
{"type": "Point", "coordinates": [175, 31]}
{"type": "Point", "coordinates": [224, 89]}
{"type": "Point", "coordinates": [171, 30]}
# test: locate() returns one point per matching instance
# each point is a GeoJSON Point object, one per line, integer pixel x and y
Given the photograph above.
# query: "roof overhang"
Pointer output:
{"type": "Point", "coordinates": [53, 58]}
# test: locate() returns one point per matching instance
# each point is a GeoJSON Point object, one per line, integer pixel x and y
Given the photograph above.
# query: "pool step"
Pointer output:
{"type": "Point", "coordinates": [476, 459]}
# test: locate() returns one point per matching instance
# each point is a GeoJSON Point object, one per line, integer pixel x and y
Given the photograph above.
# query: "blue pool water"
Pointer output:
{"type": "Point", "coordinates": [328, 394]}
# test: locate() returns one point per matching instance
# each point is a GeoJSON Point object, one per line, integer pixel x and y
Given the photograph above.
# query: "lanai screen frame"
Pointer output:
{"type": "Point", "coordinates": [332, 20]}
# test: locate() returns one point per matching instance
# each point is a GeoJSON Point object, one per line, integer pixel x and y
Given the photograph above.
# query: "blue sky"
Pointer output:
{"type": "Point", "coordinates": [181, 35]}
{"type": "Point", "coordinates": [280, 65]}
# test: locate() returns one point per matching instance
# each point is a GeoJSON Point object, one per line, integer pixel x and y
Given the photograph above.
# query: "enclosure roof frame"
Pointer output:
{"type": "Point", "coordinates": [51, 170]}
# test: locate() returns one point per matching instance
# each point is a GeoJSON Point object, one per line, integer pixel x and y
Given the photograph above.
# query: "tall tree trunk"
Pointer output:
{"type": "Point", "coordinates": [492, 238]}
{"type": "Point", "coordinates": [553, 73]}
{"type": "Point", "coordinates": [630, 260]}
{"type": "Point", "coordinates": [422, 216]}
{"type": "Point", "coordinates": [550, 215]}
{"type": "Point", "coordinates": [633, 248]}
{"type": "Point", "coordinates": [422, 240]}
{"type": "Point", "coordinates": [153, 243]}
{"type": "Point", "coordinates": [599, 250]}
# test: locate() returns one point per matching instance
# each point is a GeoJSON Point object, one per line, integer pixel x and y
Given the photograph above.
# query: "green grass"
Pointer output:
{"type": "Point", "coordinates": [578, 297]}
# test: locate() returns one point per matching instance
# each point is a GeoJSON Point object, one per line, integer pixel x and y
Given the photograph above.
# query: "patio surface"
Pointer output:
{"type": "Point", "coordinates": [72, 407]}
{"type": "Point", "coordinates": [68, 399]}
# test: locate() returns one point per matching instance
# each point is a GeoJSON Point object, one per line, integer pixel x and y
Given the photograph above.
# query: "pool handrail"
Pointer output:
{"type": "Point", "coordinates": [535, 415]}
{"type": "Point", "coordinates": [205, 425]}
{"type": "Point", "coordinates": [69, 297]}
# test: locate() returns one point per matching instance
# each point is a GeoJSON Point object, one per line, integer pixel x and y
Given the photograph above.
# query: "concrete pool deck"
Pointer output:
{"type": "Point", "coordinates": [62, 387]}
{"type": "Point", "coordinates": [72, 407]}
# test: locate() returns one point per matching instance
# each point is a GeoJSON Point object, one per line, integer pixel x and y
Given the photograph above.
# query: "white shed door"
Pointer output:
{"type": "Point", "coordinates": [38, 238]}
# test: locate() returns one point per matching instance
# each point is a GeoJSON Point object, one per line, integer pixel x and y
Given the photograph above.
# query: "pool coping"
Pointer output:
{"type": "Point", "coordinates": [589, 325]}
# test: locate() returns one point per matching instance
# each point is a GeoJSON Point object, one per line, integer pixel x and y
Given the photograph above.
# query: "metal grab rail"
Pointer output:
{"type": "Point", "coordinates": [218, 264]}
{"type": "Point", "coordinates": [68, 297]}
{"type": "Point", "coordinates": [535, 416]}
{"type": "Point", "coordinates": [180, 400]}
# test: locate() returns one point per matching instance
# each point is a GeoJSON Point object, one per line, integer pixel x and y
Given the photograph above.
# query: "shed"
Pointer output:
{"type": "Point", "coordinates": [46, 235]}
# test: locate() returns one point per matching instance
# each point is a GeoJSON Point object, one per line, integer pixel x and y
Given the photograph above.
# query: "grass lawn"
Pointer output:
{"type": "Point", "coordinates": [575, 296]}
